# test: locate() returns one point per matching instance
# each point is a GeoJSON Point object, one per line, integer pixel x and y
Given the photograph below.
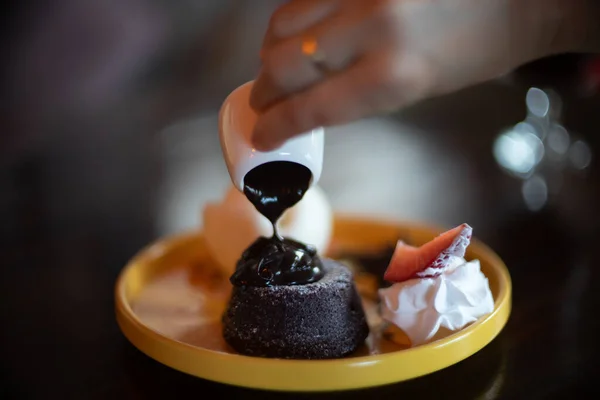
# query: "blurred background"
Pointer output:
{"type": "Point", "coordinates": [110, 109]}
{"type": "Point", "coordinates": [109, 141]}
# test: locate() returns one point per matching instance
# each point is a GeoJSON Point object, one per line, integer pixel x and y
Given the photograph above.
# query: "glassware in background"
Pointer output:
{"type": "Point", "coordinates": [540, 151]}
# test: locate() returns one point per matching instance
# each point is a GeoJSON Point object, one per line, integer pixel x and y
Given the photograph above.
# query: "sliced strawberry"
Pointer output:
{"type": "Point", "coordinates": [429, 260]}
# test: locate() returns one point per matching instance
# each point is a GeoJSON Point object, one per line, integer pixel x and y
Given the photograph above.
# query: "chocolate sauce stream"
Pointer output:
{"type": "Point", "coordinates": [273, 188]}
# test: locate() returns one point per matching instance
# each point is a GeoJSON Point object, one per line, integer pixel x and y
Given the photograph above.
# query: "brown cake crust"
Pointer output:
{"type": "Point", "coordinates": [318, 320]}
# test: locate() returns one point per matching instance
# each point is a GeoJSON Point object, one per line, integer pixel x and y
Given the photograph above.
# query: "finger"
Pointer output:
{"type": "Point", "coordinates": [297, 16]}
{"type": "Point", "coordinates": [376, 84]}
{"type": "Point", "coordinates": [287, 69]}
{"type": "Point", "coordinates": [330, 102]}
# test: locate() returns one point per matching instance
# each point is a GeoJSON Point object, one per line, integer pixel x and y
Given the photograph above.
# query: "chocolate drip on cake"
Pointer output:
{"type": "Point", "coordinates": [272, 261]}
{"type": "Point", "coordinates": [286, 301]}
{"type": "Point", "coordinates": [273, 188]}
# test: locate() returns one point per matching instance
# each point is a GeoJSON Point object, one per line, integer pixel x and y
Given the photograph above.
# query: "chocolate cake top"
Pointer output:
{"type": "Point", "coordinates": [272, 188]}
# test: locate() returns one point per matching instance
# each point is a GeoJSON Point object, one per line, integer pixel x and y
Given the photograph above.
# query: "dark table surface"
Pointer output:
{"type": "Point", "coordinates": [64, 241]}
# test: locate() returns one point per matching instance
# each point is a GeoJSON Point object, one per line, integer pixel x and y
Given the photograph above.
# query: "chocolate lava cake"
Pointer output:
{"type": "Point", "coordinates": [318, 320]}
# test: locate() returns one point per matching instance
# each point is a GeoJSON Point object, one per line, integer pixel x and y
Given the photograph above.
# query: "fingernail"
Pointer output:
{"type": "Point", "coordinates": [258, 141]}
{"type": "Point", "coordinates": [262, 142]}
{"type": "Point", "coordinates": [264, 145]}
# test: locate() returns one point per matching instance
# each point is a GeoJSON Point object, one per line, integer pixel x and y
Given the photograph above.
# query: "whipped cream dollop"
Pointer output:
{"type": "Point", "coordinates": [233, 224]}
{"type": "Point", "coordinates": [428, 309]}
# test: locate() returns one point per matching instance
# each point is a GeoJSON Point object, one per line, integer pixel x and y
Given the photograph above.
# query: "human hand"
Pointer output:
{"type": "Point", "coordinates": [381, 55]}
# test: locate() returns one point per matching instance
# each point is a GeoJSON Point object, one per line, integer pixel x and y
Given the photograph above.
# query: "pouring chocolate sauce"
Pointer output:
{"type": "Point", "coordinates": [273, 188]}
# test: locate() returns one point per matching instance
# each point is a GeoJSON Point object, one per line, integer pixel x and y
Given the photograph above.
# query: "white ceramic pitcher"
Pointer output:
{"type": "Point", "coordinates": [236, 122]}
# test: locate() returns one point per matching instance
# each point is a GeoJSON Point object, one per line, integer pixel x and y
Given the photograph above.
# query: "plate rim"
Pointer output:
{"type": "Point", "coordinates": [176, 354]}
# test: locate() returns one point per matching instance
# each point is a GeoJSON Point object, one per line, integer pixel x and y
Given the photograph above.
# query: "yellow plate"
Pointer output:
{"type": "Point", "coordinates": [169, 301]}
